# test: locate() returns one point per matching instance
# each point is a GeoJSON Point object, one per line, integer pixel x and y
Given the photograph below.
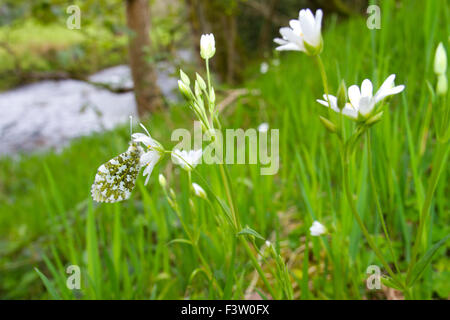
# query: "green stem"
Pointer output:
{"type": "Point", "coordinates": [229, 196]}
{"type": "Point", "coordinates": [377, 201]}
{"type": "Point", "coordinates": [197, 250]}
{"type": "Point", "coordinates": [257, 266]}
{"type": "Point", "coordinates": [231, 203]}
{"type": "Point", "coordinates": [345, 165]}
{"type": "Point", "coordinates": [323, 75]}
{"type": "Point", "coordinates": [439, 160]}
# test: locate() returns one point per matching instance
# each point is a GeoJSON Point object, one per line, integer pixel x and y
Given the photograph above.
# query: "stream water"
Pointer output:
{"type": "Point", "coordinates": [49, 114]}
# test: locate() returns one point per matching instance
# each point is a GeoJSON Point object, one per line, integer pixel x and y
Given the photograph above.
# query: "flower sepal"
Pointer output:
{"type": "Point", "coordinates": [313, 50]}
{"type": "Point", "coordinates": [329, 125]}
{"type": "Point", "coordinates": [374, 119]}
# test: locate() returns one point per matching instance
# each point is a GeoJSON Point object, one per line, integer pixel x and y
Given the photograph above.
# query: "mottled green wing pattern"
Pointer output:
{"type": "Point", "coordinates": [116, 178]}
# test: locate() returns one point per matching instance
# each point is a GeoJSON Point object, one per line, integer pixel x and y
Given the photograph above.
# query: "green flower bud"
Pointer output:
{"type": "Point", "coordinates": [197, 90]}
{"type": "Point", "coordinates": [212, 95]}
{"type": "Point", "coordinates": [184, 78]}
{"type": "Point", "coordinates": [342, 95]}
{"type": "Point", "coordinates": [201, 82]}
{"type": "Point", "coordinates": [330, 126]}
{"type": "Point", "coordinates": [162, 180]}
{"type": "Point", "coordinates": [185, 90]}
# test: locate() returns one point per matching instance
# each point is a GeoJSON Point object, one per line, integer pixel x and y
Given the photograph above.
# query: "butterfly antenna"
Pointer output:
{"type": "Point", "coordinates": [131, 125]}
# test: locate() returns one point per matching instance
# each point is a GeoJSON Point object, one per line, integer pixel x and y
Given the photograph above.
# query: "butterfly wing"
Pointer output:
{"type": "Point", "coordinates": [116, 178]}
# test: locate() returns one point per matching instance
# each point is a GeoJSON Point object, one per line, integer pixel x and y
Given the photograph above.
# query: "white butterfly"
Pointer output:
{"type": "Point", "coordinates": [116, 178]}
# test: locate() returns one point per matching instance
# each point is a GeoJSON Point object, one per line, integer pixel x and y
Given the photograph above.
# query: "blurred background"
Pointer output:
{"type": "Point", "coordinates": [65, 97]}
{"type": "Point", "coordinates": [80, 76]}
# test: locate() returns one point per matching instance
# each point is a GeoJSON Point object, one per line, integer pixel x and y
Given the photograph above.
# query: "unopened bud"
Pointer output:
{"type": "Point", "coordinates": [330, 126]}
{"type": "Point", "coordinates": [342, 95]}
{"type": "Point", "coordinates": [185, 90]}
{"type": "Point", "coordinates": [184, 78]}
{"type": "Point", "coordinates": [442, 85]}
{"type": "Point", "coordinates": [201, 82]}
{"type": "Point", "coordinates": [440, 60]}
{"type": "Point", "coordinates": [162, 180]}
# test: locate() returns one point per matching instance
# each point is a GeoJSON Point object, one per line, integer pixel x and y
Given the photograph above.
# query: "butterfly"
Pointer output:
{"type": "Point", "coordinates": [116, 178]}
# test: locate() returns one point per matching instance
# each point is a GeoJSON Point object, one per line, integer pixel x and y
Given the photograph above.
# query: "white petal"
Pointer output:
{"type": "Point", "coordinates": [354, 96]}
{"type": "Point", "coordinates": [318, 25]}
{"type": "Point", "coordinates": [290, 47]}
{"type": "Point", "coordinates": [350, 111]}
{"type": "Point", "coordinates": [366, 88]}
{"type": "Point", "coordinates": [387, 85]}
{"type": "Point", "coordinates": [389, 92]}
{"type": "Point", "coordinates": [280, 41]}
{"type": "Point", "coordinates": [146, 140]}
{"type": "Point", "coordinates": [295, 25]}
{"type": "Point", "coordinates": [365, 105]}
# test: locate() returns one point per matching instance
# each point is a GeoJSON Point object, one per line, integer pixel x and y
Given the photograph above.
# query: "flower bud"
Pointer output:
{"type": "Point", "coordinates": [185, 90]}
{"type": "Point", "coordinates": [212, 95]}
{"type": "Point", "coordinates": [162, 180]}
{"type": "Point", "coordinates": [207, 46]}
{"type": "Point", "coordinates": [184, 78]}
{"type": "Point", "coordinates": [330, 126]}
{"type": "Point", "coordinates": [172, 194]}
{"type": "Point", "coordinates": [342, 95]}
{"type": "Point", "coordinates": [199, 191]}
{"type": "Point", "coordinates": [442, 85]}
{"type": "Point", "coordinates": [201, 82]}
{"type": "Point", "coordinates": [197, 90]}
{"type": "Point", "coordinates": [440, 60]}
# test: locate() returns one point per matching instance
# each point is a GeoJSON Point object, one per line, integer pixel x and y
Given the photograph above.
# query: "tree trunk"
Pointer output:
{"type": "Point", "coordinates": [146, 91]}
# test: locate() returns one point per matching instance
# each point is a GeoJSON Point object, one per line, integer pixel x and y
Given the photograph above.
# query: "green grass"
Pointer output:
{"type": "Point", "coordinates": [127, 250]}
{"type": "Point", "coordinates": [41, 48]}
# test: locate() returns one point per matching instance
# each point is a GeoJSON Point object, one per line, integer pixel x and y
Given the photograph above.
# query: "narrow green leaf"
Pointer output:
{"type": "Point", "coordinates": [180, 241]}
{"type": "Point", "coordinates": [48, 285]}
{"type": "Point", "coordinates": [250, 231]}
{"type": "Point", "coordinates": [423, 262]}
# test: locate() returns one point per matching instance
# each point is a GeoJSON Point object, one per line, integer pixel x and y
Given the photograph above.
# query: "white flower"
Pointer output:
{"type": "Point", "coordinates": [207, 46]}
{"type": "Point", "coordinates": [187, 159]}
{"type": "Point", "coordinates": [264, 67]}
{"type": "Point", "coordinates": [303, 34]}
{"type": "Point", "coordinates": [362, 101]}
{"type": "Point", "coordinates": [263, 127]}
{"type": "Point", "coordinates": [317, 229]}
{"type": "Point", "coordinates": [440, 60]}
{"type": "Point", "coordinates": [152, 153]}
{"type": "Point", "coordinates": [199, 192]}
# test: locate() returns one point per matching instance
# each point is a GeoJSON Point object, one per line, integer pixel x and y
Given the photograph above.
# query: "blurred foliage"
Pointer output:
{"type": "Point", "coordinates": [34, 40]}
{"type": "Point", "coordinates": [248, 27]}
{"type": "Point", "coordinates": [35, 43]}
